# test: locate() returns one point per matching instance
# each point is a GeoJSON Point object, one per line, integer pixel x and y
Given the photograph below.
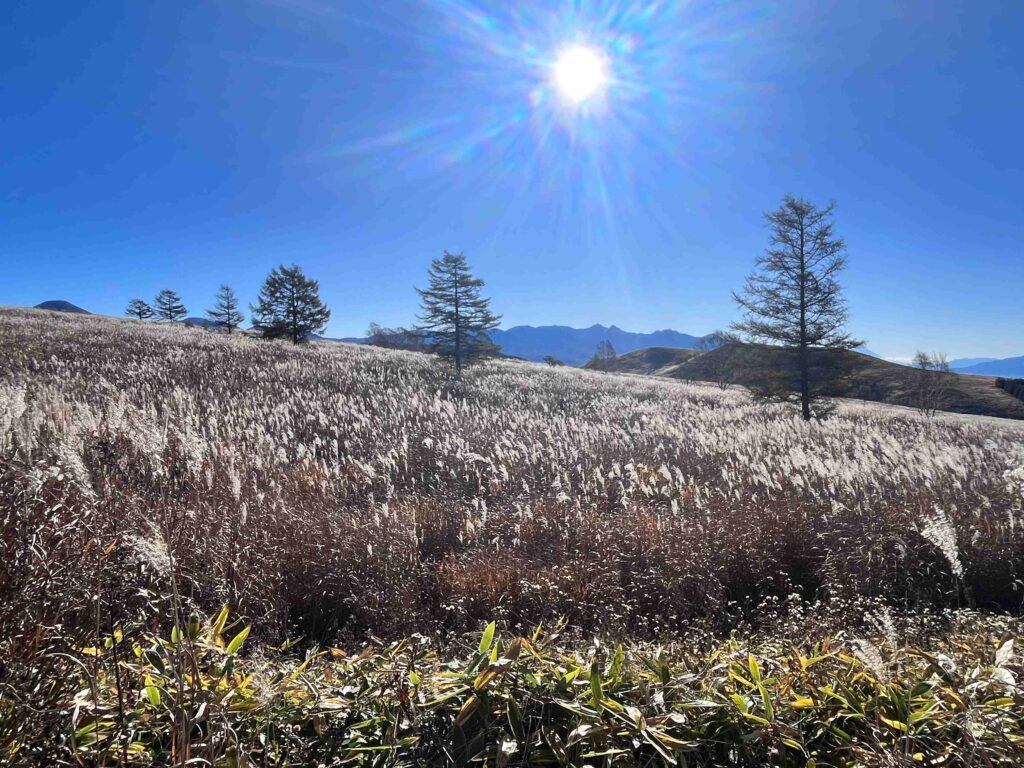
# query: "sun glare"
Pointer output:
{"type": "Point", "coordinates": [580, 73]}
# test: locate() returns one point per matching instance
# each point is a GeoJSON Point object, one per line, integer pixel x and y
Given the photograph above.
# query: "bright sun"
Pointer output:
{"type": "Point", "coordinates": [579, 73]}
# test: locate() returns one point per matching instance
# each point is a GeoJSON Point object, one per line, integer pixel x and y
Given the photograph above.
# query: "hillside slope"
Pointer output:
{"type": "Point", "coordinates": [854, 375]}
{"type": "Point", "coordinates": [657, 361]}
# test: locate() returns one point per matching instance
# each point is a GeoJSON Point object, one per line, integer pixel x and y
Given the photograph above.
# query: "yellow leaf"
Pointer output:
{"type": "Point", "coordinates": [894, 724]}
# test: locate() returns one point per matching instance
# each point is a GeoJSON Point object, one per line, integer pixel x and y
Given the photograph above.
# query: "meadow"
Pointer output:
{"type": "Point", "coordinates": [237, 552]}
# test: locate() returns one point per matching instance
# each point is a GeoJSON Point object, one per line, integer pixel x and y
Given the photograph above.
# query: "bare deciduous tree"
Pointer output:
{"type": "Point", "coordinates": [933, 382]}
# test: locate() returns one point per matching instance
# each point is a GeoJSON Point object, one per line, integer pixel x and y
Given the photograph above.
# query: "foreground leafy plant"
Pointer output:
{"type": "Point", "coordinates": [516, 701]}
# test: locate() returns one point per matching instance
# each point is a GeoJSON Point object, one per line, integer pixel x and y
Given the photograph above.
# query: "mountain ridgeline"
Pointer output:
{"type": "Point", "coordinates": [1012, 367]}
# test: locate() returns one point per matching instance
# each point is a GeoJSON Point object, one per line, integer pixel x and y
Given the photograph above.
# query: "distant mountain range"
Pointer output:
{"type": "Point", "coordinates": [1009, 367]}
{"type": "Point", "coordinates": [574, 346]}
{"type": "Point", "coordinates": [960, 363]}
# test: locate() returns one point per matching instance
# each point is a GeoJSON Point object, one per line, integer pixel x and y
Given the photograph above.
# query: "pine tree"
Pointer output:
{"type": "Point", "coordinates": [794, 297]}
{"type": "Point", "coordinates": [454, 317]}
{"type": "Point", "coordinates": [225, 311]}
{"type": "Point", "coordinates": [289, 306]}
{"type": "Point", "coordinates": [168, 306]}
{"type": "Point", "coordinates": [139, 309]}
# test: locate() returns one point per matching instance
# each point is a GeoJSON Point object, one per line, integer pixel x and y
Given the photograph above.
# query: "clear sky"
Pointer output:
{"type": "Point", "coordinates": [183, 144]}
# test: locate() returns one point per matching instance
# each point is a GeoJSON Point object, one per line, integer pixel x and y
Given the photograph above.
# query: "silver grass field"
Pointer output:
{"type": "Point", "coordinates": [166, 488]}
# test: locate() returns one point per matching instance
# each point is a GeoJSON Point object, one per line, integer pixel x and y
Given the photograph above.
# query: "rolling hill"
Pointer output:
{"type": "Point", "coordinates": [855, 375]}
{"type": "Point", "coordinates": [59, 305]}
{"type": "Point", "coordinates": [652, 361]}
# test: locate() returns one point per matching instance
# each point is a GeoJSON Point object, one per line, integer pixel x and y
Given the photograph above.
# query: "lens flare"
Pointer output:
{"type": "Point", "coordinates": [560, 114]}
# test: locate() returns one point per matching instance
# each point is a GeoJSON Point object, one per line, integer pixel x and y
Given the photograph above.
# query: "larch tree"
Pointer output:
{"type": "Point", "coordinates": [225, 310]}
{"type": "Point", "coordinates": [289, 306]}
{"type": "Point", "coordinates": [454, 317]}
{"type": "Point", "coordinates": [167, 306]}
{"type": "Point", "coordinates": [138, 309]}
{"type": "Point", "coordinates": [604, 354]}
{"type": "Point", "coordinates": [794, 298]}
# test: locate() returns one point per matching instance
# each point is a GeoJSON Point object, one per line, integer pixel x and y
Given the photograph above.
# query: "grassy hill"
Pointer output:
{"type": "Point", "coordinates": [851, 373]}
{"type": "Point", "coordinates": [656, 361]}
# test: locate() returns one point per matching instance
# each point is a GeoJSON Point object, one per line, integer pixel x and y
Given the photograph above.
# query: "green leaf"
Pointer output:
{"type": "Point", "coordinates": [488, 638]}
{"type": "Point", "coordinates": [596, 690]}
{"type": "Point", "coordinates": [617, 661]}
{"type": "Point", "coordinates": [152, 692]}
{"type": "Point", "coordinates": [515, 720]}
{"type": "Point", "coordinates": [221, 621]}
{"type": "Point", "coordinates": [237, 641]}
{"type": "Point", "coordinates": [769, 710]}
{"type": "Point", "coordinates": [755, 671]}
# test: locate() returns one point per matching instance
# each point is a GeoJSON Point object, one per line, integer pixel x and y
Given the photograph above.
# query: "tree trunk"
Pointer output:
{"type": "Point", "coordinates": [458, 332]}
{"type": "Point", "coordinates": [805, 383]}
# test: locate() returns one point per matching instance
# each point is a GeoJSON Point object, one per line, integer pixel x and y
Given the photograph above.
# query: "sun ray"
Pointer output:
{"type": "Point", "coordinates": [556, 100]}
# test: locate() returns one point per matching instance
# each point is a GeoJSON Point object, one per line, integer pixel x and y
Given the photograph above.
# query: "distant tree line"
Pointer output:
{"type": "Point", "coordinates": [455, 318]}
{"type": "Point", "coordinates": [288, 306]}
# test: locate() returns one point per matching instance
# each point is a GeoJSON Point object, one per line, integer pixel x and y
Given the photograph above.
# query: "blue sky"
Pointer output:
{"type": "Point", "coordinates": [183, 144]}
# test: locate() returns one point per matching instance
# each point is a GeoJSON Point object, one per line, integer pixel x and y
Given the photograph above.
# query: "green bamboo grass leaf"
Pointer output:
{"type": "Point", "coordinates": [237, 641]}
{"type": "Point", "coordinates": [515, 720]}
{"type": "Point", "coordinates": [487, 638]}
{"type": "Point", "coordinates": [615, 668]}
{"type": "Point", "coordinates": [152, 692]}
{"type": "Point", "coordinates": [741, 703]}
{"type": "Point", "coordinates": [755, 670]}
{"type": "Point", "coordinates": [220, 622]}
{"type": "Point", "coordinates": [596, 689]}
{"type": "Point", "coordinates": [766, 701]}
